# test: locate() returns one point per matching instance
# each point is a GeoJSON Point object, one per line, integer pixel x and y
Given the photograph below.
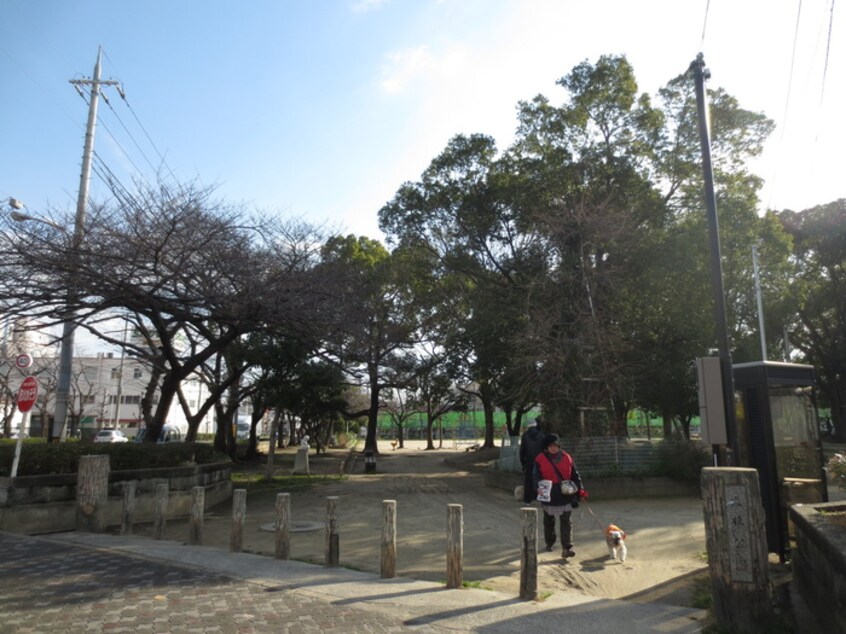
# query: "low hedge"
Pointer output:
{"type": "Point", "coordinates": [39, 458]}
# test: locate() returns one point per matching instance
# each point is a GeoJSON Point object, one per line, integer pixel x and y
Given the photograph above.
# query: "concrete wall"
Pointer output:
{"type": "Point", "coordinates": [819, 561]}
{"type": "Point", "coordinates": [606, 488]}
{"type": "Point", "coordinates": [45, 504]}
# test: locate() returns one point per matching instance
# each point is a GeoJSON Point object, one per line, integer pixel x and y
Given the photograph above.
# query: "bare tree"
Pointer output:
{"type": "Point", "coordinates": [193, 274]}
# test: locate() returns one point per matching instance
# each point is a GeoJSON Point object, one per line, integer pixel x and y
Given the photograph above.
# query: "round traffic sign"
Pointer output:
{"type": "Point", "coordinates": [27, 394]}
{"type": "Point", "coordinates": [23, 361]}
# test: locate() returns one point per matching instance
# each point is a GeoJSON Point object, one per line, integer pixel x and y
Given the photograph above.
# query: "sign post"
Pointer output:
{"type": "Point", "coordinates": [27, 394]}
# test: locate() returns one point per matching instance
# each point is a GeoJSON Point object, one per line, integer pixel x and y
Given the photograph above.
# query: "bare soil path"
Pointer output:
{"type": "Point", "coordinates": [666, 536]}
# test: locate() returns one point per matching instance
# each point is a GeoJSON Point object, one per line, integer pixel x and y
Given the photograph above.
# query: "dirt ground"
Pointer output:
{"type": "Point", "coordinates": [666, 540]}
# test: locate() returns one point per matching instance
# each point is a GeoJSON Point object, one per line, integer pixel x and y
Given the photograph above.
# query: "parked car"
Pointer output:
{"type": "Point", "coordinates": [242, 430]}
{"type": "Point", "coordinates": [110, 435]}
{"type": "Point", "coordinates": [169, 433]}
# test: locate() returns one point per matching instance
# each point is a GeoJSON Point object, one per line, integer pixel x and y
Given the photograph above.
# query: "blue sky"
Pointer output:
{"type": "Point", "coordinates": [320, 109]}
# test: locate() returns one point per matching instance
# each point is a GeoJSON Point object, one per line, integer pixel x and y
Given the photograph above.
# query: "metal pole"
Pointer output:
{"type": "Point", "coordinates": [760, 303]}
{"type": "Point", "coordinates": [120, 377]}
{"type": "Point", "coordinates": [66, 353]}
{"type": "Point", "coordinates": [700, 74]}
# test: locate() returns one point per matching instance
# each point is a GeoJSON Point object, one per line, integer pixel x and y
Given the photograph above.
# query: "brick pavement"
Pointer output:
{"type": "Point", "coordinates": [85, 582]}
{"type": "Point", "coordinates": [57, 587]}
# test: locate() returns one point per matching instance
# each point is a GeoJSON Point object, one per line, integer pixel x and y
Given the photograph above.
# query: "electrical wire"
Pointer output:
{"type": "Point", "coordinates": [787, 99]}
{"type": "Point", "coordinates": [792, 66]}
{"type": "Point", "coordinates": [704, 24]}
{"type": "Point", "coordinates": [827, 51]}
{"type": "Point", "coordinates": [114, 179]}
{"type": "Point", "coordinates": [132, 138]}
{"type": "Point", "coordinates": [141, 125]}
{"type": "Point", "coordinates": [122, 94]}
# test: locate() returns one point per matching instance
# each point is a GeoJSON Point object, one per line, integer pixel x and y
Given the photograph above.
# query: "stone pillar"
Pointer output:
{"type": "Point", "coordinates": [127, 513]}
{"type": "Point", "coordinates": [92, 493]}
{"type": "Point", "coordinates": [160, 521]}
{"type": "Point", "coordinates": [195, 522]}
{"type": "Point", "coordinates": [301, 462]}
{"type": "Point", "coordinates": [736, 538]}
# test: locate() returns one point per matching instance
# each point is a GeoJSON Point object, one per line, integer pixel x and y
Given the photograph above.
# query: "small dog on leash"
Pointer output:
{"type": "Point", "coordinates": [615, 538]}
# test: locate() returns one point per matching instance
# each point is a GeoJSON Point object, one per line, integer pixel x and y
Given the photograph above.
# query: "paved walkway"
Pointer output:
{"type": "Point", "coordinates": [79, 582]}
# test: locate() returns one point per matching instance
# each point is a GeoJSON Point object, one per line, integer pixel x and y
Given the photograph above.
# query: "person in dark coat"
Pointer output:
{"type": "Point", "coordinates": [556, 465]}
{"type": "Point", "coordinates": [531, 444]}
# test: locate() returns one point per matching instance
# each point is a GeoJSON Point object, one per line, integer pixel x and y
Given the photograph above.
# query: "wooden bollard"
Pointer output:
{"type": "Point", "coordinates": [160, 520]}
{"type": "Point", "coordinates": [455, 546]}
{"type": "Point", "coordinates": [195, 523]}
{"type": "Point", "coordinates": [92, 493]}
{"type": "Point", "coordinates": [529, 554]}
{"type": "Point", "coordinates": [333, 542]}
{"type": "Point", "coordinates": [239, 514]}
{"type": "Point", "coordinates": [389, 539]}
{"type": "Point", "coordinates": [127, 511]}
{"type": "Point", "coordinates": [283, 525]}
{"type": "Point", "coordinates": [735, 535]}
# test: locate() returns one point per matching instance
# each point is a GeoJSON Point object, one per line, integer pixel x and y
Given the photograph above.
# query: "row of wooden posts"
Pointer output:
{"type": "Point", "coordinates": [388, 565]}
{"type": "Point", "coordinates": [734, 529]}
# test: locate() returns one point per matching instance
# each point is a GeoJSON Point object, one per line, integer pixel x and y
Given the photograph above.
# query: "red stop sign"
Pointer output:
{"type": "Point", "coordinates": [27, 394]}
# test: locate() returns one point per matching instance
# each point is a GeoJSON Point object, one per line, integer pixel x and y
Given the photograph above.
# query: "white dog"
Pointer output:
{"type": "Point", "coordinates": [615, 538]}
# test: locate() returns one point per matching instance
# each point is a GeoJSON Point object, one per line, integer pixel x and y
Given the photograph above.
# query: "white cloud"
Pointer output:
{"type": "Point", "coordinates": [403, 67]}
{"type": "Point", "coordinates": [362, 6]}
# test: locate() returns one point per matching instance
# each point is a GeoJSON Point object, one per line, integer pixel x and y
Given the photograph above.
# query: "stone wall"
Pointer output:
{"type": "Point", "coordinates": [44, 504]}
{"type": "Point", "coordinates": [819, 561]}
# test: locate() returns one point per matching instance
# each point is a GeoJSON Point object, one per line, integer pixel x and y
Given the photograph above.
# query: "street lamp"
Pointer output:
{"type": "Point", "coordinates": [66, 347]}
{"type": "Point", "coordinates": [19, 217]}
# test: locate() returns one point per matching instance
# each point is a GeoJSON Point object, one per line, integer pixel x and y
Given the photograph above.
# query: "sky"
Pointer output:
{"type": "Point", "coordinates": [320, 109]}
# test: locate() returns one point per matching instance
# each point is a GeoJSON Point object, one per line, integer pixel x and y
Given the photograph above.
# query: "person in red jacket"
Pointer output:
{"type": "Point", "coordinates": [556, 465]}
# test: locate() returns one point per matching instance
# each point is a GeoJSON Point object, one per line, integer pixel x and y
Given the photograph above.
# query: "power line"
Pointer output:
{"type": "Point", "coordinates": [787, 98]}
{"type": "Point", "coordinates": [827, 51]}
{"type": "Point", "coordinates": [704, 24]}
{"type": "Point", "coordinates": [122, 94]}
{"type": "Point", "coordinates": [141, 125]}
{"type": "Point", "coordinates": [132, 138]}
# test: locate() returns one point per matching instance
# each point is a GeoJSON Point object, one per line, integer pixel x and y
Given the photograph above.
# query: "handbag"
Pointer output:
{"type": "Point", "coordinates": [568, 487]}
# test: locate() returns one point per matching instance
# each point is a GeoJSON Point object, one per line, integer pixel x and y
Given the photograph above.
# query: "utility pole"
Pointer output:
{"type": "Point", "coordinates": [760, 302]}
{"type": "Point", "coordinates": [60, 414]}
{"type": "Point", "coordinates": [700, 74]}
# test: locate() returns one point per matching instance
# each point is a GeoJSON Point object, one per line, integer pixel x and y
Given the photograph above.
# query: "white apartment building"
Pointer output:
{"type": "Point", "coordinates": [106, 389]}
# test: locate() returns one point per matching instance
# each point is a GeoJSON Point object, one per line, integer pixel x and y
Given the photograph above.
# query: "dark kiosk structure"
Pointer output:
{"type": "Point", "coordinates": [778, 435]}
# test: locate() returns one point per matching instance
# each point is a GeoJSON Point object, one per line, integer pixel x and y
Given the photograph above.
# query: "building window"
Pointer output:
{"type": "Point", "coordinates": [130, 399]}
{"type": "Point", "coordinates": [115, 373]}
{"type": "Point", "coordinates": [136, 373]}
{"type": "Point", "coordinates": [90, 398]}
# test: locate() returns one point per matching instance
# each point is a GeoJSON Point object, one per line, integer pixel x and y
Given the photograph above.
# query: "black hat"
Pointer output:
{"type": "Point", "coordinates": [551, 439]}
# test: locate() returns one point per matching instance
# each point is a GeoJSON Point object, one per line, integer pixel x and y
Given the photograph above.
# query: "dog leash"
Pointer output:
{"type": "Point", "coordinates": [593, 515]}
